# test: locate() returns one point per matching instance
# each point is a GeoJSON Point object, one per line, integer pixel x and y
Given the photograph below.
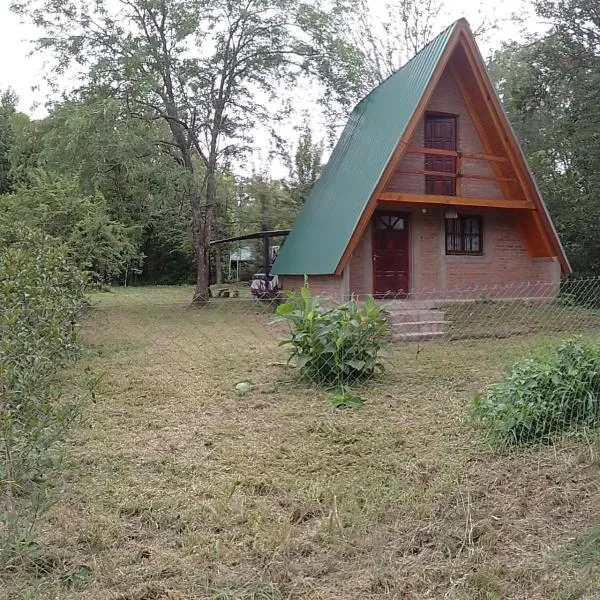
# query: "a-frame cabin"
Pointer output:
{"type": "Point", "coordinates": [427, 189]}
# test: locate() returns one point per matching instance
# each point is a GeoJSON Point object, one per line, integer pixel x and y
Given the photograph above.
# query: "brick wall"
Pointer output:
{"type": "Point", "coordinates": [504, 263]}
{"type": "Point", "coordinates": [361, 266]}
{"type": "Point", "coordinates": [447, 98]}
{"type": "Point", "coordinates": [325, 286]}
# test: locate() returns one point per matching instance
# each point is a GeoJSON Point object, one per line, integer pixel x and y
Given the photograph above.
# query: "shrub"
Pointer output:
{"type": "Point", "coordinates": [55, 206]}
{"type": "Point", "coordinates": [41, 298]}
{"type": "Point", "coordinates": [336, 346]}
{"type": "Point", "coordinates": [543, 396]}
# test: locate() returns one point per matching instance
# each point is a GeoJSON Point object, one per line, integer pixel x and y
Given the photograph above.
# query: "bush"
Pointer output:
{"type": "Point", "coordinates": [41, 298]}
{"type": "Point", "coordinates": [55, 206]}
{"type": "Point", "coordinates": [544, 396]}
{"type": "Point", "coordinates": [337, 346]}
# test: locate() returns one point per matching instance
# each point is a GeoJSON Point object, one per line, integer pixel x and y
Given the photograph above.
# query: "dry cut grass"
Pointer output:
{"type": "Point", "coordinates": [177, 487]}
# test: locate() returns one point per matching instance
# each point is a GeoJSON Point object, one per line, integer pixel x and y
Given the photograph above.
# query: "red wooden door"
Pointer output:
{"type": "Point", "coordinates": [440, 133]}
{"type": "Point", "coordinates": [390, 254]}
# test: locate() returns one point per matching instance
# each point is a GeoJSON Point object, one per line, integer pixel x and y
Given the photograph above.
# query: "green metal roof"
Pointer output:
{"type": "Point", "coordinates": [332, 211]}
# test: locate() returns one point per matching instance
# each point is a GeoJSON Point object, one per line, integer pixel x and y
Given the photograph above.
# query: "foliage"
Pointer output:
{"type": "Point", "coordinates": [198, 68]}
{"type": "Point", "coordinates": [56, 207]}
{"type": "Point", "coordinates": [543, 396]}
{"type": "Point", "coordinates": [549, 87]}
{"type": "Point", "coordinates": [342, 400]}
{"type": "Point", "coordinates": [8, 108]}
{"type": "Point", "coordinates": [93, 142]}
{"type": "Point", "coordinates": [42, 297]}
{"type": "Point", "coordinates": [307, 165]}
{"type": "Point", "coordinates": [338, 346]}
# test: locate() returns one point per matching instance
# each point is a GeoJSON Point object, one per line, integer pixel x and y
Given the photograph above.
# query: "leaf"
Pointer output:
{"type": "Point", "coordinates": [244, 387]}
{"type": "Point", "coordinates": [356, 364]}
{"type": "Point", "coordinates": [302, 361]}
{"type": "Point", "coordinates": [285, 309]}
{"type": "Point", "coordinates": [343, 401]}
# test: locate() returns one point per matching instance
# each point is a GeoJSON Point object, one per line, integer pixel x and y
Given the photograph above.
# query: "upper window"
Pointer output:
{"type": "Point", "coordinates": [440, 164]}
{"type": "Point", "coordinates": [464, 235]}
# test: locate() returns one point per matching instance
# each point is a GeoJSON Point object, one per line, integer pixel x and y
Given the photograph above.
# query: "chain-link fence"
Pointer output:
{"type": "Point", "coordinates": [442, 446]}
{"type": "Point", "coordinates": [538, 340]}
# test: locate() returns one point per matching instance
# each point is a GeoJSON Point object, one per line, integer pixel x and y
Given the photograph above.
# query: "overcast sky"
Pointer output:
{"type": "Point", "coordinates": [25, 73]}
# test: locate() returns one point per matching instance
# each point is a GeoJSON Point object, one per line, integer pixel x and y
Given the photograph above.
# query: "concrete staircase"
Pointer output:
{"type": "Point", "coordinates": [414, 320]}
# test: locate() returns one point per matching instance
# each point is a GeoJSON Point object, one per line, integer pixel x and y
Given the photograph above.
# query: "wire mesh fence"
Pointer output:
{"type": "Point", "coordinates": [423, 467]}
{"type": "Point", "coordinates": [544, 334]}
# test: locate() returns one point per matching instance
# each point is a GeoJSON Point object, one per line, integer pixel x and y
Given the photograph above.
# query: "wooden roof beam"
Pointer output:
{"type": "Point", "coordinates": [454, 201]}
{"type": "Point", "coordinates": [465, 155]}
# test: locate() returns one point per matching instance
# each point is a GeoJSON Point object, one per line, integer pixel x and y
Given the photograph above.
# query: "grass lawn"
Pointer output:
{"type": "Point", "coordinates": [176, 487]}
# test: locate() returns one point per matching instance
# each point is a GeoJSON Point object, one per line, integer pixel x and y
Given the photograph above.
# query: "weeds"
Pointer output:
{"type": "Point", "coordinates": [41, 299]}
{"type": "Point", "coordinates": [543, 396]}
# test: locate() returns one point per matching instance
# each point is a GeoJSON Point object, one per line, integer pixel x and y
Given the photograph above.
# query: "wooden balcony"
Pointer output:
{"type": "Point", "coordinates": [459, 176]}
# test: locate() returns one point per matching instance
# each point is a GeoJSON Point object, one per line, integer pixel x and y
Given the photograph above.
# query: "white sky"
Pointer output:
{"type": "Point", "coordinates": [25, 74]}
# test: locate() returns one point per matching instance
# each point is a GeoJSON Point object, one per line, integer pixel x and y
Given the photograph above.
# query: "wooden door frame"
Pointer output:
{"type": "Point", "coordinates": [407, 218]}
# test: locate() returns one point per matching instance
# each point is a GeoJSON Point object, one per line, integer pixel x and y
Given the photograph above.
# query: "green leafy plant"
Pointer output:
{"type": "Point", "coordinates": [41, 299]}
{"type": "Point", "coordinates": [54, 205]}
{"type": "Point", "coordinates": [343, 400]}
{"type": "Point", "coordinates": [334, 346]}
{"type": "Point", "coordinates": [544, 396]}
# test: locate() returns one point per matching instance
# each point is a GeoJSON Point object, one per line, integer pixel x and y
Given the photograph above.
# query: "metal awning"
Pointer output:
{"type": "Point", "coordinates": [259, 235]}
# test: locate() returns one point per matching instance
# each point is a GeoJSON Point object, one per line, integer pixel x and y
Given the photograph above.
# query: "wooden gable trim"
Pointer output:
{"type": "Point", "coordinates": [540, 215]}
{"type": "Point", "coordinates": [526, 229]}
{"type": "Point", "coordinates": [481, 132]}
{"type": "Point", "coordinates": [399, 151]}
{"type": "Point", "coordinates": [469, 155]}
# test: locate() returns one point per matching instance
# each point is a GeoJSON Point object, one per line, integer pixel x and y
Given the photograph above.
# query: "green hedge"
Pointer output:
{"type": "Point", "coordinates": [42, 294]}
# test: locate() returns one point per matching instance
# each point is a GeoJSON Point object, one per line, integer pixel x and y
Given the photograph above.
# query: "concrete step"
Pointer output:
{"type": "Point", "coordinates": [412, 316]}
{"type": "Point", "coordinates": [409, 304]}
{"type": "Point", "coordinates": [415, 324]}
{"type": "Point", "coordinates": [419, 326]}
{"type": "Point", "coordinates": [416, 336]}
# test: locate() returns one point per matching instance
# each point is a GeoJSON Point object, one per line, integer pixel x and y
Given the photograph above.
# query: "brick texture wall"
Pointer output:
{"type": "Point", "coordinates": [447, 98]}
{"type": "Point", "coordinates": [361, 266]}
{"type": "Point", "coordinates": [504, 263]}
{"type": "Point", "coordinates": [325, 286]}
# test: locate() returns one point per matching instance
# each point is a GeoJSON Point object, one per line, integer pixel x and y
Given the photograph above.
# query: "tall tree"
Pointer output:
{"type": "Point", "coordinates": [549, 87]}
{"type": "Point", "coordinates": [576, 21]}
{"type": "Point", "coordinates": [91, 141]}
{"type": "Point", "coordinates": [8, 109]}
{"type": "Point", "coordinates": [196, 65]}
{"type": "Point", "coordinates": [307, 165]}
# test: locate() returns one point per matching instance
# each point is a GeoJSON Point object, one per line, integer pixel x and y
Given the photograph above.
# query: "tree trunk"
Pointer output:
{"type": "Point", "coordinates": [202, 292]}
{"type": "Point", "coordinates": [219, 274]}
{"type": "Point", "coordinates": [202, 251]}
{"type": "Point", "coordinates": [203, 216]}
